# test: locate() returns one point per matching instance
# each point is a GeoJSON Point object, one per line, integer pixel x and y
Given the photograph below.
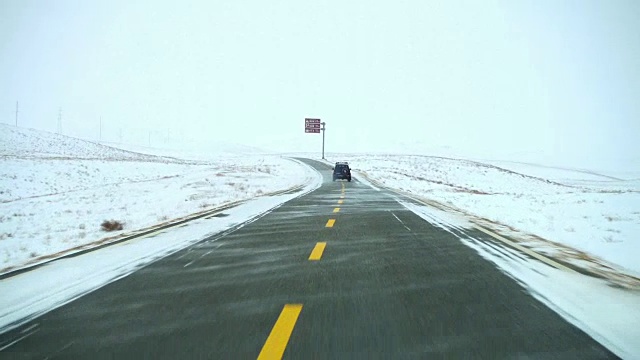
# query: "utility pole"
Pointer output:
{"type": "Point", "coordinates": [323, 128]}
{"type": "Point", "coordinates": [60, 121]}
{"type": "Point", "coordinates": [16, 113]}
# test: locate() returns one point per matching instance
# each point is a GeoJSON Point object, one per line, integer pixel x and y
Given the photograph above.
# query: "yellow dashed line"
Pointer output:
{"type": "Point", "coordinates": [277, 341]}
{"type": "Point", "coordinates": [316, 254]}
{"type": "Point", "coordinates": [330, 223]}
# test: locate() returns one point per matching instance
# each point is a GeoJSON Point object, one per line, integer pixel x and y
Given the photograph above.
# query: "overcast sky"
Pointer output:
{"type": "Point", "coordinates": [561, 78]}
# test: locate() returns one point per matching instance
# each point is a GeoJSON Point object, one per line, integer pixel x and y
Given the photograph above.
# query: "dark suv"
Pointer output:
{"type": "Point", "coordinates": [341, 171]}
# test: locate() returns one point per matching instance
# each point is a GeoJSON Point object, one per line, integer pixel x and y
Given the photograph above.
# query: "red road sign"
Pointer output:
{"type": "Point", "coordinates": [312, 126]}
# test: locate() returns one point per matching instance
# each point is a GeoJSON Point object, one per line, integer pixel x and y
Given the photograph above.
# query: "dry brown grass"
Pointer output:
{"type": "Point", "coordinates": [111, 225]}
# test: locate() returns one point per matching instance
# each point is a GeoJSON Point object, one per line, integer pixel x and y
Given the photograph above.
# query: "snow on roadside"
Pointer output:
{"type": "Point", "coordinates": [608, 314]}
{"type": "Point", "coordinates": [599, 216]}
{"type": "Point", "coordinates": [33, 293]}
{"type": "Point", "coordinates": [55, 191]}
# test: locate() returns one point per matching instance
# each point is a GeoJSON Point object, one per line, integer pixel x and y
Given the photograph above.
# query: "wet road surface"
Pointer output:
{"type": "Point", "coordinates": [376, 282]}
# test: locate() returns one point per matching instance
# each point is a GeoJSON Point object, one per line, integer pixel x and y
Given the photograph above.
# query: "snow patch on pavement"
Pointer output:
{"type": "Point", "coordinates": [609, 315]}
{"type": "Point", "coordinates": [443, 219]}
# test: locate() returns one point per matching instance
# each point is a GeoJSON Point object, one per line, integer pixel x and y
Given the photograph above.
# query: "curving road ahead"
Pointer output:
{"type": "Point", "coordinates": [343, 272]}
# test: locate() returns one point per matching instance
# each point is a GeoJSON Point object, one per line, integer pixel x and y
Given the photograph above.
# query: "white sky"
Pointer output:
{"type": "Point", "coordinates": [561, 78]}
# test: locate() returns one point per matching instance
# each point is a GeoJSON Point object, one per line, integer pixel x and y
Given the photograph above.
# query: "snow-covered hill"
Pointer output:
{"type": "Point", "coordinates": [55, 191]}
{"type": "Point", "coordinates": [30, 143]}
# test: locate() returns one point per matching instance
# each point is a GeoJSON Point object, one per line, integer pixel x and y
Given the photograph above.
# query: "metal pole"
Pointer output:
{"type": "Point", "coordinates": [323, 127]}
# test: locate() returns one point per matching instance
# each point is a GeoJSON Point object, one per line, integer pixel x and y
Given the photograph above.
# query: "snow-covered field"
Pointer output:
{"type": "Point", "coordinates": [56, 191]}
{"type": "Point", "coordinates": [595, 213]}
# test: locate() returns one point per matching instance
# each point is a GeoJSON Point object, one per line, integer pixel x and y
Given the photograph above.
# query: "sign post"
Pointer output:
{"type": "Point", "coordinates": [323, 127]}
{"type": "Point", "coordinates": [314, 126]}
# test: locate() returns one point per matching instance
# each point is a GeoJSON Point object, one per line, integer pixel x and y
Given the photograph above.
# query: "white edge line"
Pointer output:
{"type": "Point", "coordinates": [365, 181]}
{"type": "Point", "coordinates": [529, 252]}
{"type": "Point", "coordinates": [397, 218]}
{"type": "Point", "coordinates": [30, 328]}
{"type": "Point", "coordinates": [18, 340]}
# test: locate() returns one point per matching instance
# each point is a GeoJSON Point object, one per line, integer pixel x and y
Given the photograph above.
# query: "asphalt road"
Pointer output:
{"type": "Point", "coordinates": [387, 284]}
